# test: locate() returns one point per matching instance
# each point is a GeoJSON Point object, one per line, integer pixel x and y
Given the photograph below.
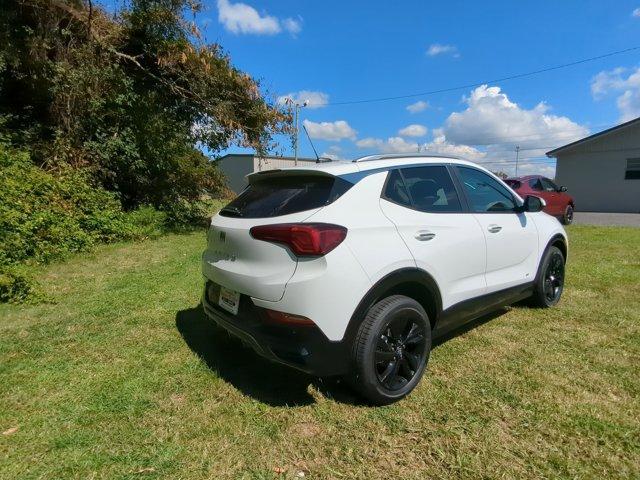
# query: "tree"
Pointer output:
{"type": "Point", "coordinates": [133, 98]}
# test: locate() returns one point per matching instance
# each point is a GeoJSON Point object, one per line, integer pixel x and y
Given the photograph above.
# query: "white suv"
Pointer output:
{"type": "Point", "coordinates": [353, 268]}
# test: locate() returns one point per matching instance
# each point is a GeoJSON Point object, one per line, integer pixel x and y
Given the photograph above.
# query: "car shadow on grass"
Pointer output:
{"type": "Point", "coordinates": [257, 377]}
{"type": "Point", "coordinates": [266, 381]}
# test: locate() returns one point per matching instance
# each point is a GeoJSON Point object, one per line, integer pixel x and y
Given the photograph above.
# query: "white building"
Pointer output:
{"type": "Point", "coordinates": [236, 167]}
{"type": "Point", "coordinates": [602, 171]}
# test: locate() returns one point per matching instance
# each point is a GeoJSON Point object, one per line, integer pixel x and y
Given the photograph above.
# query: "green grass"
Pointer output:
{"type": "Point", "coordinates": [121, 377]}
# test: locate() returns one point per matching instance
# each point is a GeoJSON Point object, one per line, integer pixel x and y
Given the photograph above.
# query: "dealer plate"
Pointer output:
{"type": "Point", "coordinates": [229, 300]}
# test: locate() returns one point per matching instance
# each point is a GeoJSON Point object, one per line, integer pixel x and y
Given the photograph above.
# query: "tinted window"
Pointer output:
{"type": "Point", "coordinates": [485, 193]}
{"type": "Point", "coordinates": [395, 189]}
{"type": "Point", "coordinates": [272, 197]}
{"type": "Point", "coordinates": [536, 184]}
{"type": "Point", "coordinates": [515, 184]}
{"type": "Point", "coordinates": [548, 185]}
{"type": "Point", "coordinates": [428, 189]}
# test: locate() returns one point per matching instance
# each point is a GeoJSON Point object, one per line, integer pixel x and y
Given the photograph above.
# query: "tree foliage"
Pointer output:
{"type": "Point", "coordinates": [131, 98]}
{"type": "Point", "coordinates": [104, 118]}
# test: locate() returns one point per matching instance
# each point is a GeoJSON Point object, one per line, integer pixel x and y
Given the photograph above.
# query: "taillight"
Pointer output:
{"type": "Point", "coordinates": [304, 239]}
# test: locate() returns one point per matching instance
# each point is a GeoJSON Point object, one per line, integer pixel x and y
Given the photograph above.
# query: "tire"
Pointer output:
{"type": "Point", "coordinates": [391, 350]}
{"type": "Point", "coordinates": [567, 217]}
{"type": "Point", "coordinates": [549, 282]}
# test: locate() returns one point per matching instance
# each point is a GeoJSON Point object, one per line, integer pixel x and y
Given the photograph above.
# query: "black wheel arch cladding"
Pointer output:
{"type": "Point", "coordinates": [411, 282]}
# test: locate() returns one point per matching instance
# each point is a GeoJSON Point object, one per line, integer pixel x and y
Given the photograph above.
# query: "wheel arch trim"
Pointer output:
{"type": "Point", "coordinates": [386, 285]}
{"type": "Point", "coordinates": [557, 239]}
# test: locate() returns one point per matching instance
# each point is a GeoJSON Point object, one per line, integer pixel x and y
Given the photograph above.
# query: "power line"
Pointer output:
{"type": "Point", "coordinates": [477, 84]}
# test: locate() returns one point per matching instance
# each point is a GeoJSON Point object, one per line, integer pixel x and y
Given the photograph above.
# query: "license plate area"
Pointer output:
{"type": "Point", "coordinates": [229, 300]}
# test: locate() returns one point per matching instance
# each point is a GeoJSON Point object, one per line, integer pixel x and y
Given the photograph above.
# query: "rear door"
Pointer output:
{"type": "Point", "coordinates": [511, 237]}
{"type": "Point", "coordinates": [445, 241]}
{"type": "Point", "coordinates": [237, 261]}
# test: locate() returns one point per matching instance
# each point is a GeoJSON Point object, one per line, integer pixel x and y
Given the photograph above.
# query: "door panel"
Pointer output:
{"type": "Point", "coordinates": [451, 247]}
{"type": "Point", "coordinates": [512, 241]}
{"type": "Point", "coordinates": [425, 207]}
{"type": "Point", "coordinates": [511, 238]}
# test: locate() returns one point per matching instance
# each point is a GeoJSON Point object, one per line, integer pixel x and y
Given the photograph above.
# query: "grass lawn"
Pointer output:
{"type": "Point", "coordinates": [122, 377]}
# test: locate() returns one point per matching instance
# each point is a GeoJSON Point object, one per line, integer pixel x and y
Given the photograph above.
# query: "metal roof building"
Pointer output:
{"type": "Point", "coordinates": [602, 171]}
{"type": "Point", "coordinates": [236, 167]}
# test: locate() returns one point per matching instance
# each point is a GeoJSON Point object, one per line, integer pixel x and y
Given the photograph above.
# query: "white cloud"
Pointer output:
{"type": "Point", "coordinates": [627, 86]}
{"type": "Point", "coordinates": [487, 131]}
{"type": "Point", "coordinates": [419, 106]}
{"type": "Point", "coordinates": [332, 131]}
{"type": "Point", "coordinates": [439, 49]}
{"type": "Point", "coordinates": [399, 145]}
{"type": "Point", "coordinates": [370, 143]}
{"type": "Point", "coordinates": [413, 130]}
{"type": "Point", "coordinates": [292, 25]}
{"type": "Point", "coordinates": [636, 13]}
{"type": "Point", "coordinates": [492, 119]}
{"type": "Point", "coordinates": [440, 146]}
{"type": "Point", "coordinates": [242, 18]}
{"type": "Point", "coordinates": [314, 99]}
{"type": "Point", "coordinates": [334, 152]}
{"type": "Point", "coordinates": [391, 145]}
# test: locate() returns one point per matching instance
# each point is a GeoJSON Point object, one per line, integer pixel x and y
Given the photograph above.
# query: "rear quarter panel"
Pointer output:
{"type": "Point", "coordinates": [328, 289]}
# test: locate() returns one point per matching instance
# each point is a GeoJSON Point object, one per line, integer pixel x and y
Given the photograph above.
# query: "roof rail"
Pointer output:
{"type": "Point", "coordinates": [390, 156]}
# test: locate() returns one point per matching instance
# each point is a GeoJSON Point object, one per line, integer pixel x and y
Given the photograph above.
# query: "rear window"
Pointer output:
{"type": "Point", "coordinates": [515, 184]}
{"type": "Point", "coordinates": [273, 197]}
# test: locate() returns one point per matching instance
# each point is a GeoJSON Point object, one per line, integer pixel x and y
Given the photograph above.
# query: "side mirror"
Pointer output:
{"type": "Point", "coordinates": [562, 188]}
{"type": "Point", "coordinates": [533, 204]}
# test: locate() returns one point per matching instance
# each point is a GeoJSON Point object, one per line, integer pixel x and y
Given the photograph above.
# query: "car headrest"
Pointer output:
{"type": "Point", "coordinates": [424, 189]}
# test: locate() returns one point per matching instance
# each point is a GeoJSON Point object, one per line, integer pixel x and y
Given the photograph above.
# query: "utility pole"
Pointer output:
{"type": "Point", "coordinates": [295, 137]}
{"type": "Point", "coordinates": [517, 157]}
{"type": "Point", "coordinates": [296, 114]}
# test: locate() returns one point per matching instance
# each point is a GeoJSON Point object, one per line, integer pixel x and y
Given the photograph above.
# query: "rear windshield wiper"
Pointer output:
{"type": "Point", "coordinates": [234, 211]}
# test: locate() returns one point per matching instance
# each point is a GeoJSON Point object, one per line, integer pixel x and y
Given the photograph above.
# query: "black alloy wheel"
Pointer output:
{"type": "Point", "coordinates": [549, 282]}
{"type": "Point", "coordinates": [554, 277]}
{"type": "Point", "coordinates": [567, 218]}
{"type": "Point", "coordinates": [401, 346]}
{"type": "Point", "coordinates": [391, 349]}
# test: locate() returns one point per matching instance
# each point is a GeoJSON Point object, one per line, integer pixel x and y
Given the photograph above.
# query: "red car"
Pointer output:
{"type": "Point", "coordinates": [559, 203]}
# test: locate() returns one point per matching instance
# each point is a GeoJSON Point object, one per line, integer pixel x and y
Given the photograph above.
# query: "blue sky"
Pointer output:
{"type": "Point", "coordinates": [353, 50]}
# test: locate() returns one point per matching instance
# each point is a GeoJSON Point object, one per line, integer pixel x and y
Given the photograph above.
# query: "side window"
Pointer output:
{"type": "Point", "coordinates": [548, 185]}
{"type": "Point", "coordinates": [395, 190]}
{"type": "Point", "coordinates": [485, 193]}
{"type": "Point", "coordinates": [536, 184]}
{"type": "Point", "coordinates": [431, 189]}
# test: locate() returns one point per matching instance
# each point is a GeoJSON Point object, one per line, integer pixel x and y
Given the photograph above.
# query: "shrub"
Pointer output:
{"type": "Point", "coordinates": [44, 216]}
{"type": "Point", "coordinates": [15, 286]}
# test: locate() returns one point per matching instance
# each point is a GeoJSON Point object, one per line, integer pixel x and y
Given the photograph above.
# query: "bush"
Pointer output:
{"type": "Point", "coordinates": [44, 216]}
{"type": "Point", "coordinates": [183, 215]}
{"type": "Point", "coordinates": [15, 286]}
{"type": "Point", "coordinates": [145, 222]}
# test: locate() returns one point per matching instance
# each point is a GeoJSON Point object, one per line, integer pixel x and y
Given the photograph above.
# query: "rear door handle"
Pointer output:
{"type": "Point", "coordinates": [494, 228]}
{"type": "Point", "coordinates": [424, 235]}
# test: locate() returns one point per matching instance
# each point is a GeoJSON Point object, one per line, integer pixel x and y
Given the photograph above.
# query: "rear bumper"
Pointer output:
{"type": "Point", "coordinates": [305, 348]}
